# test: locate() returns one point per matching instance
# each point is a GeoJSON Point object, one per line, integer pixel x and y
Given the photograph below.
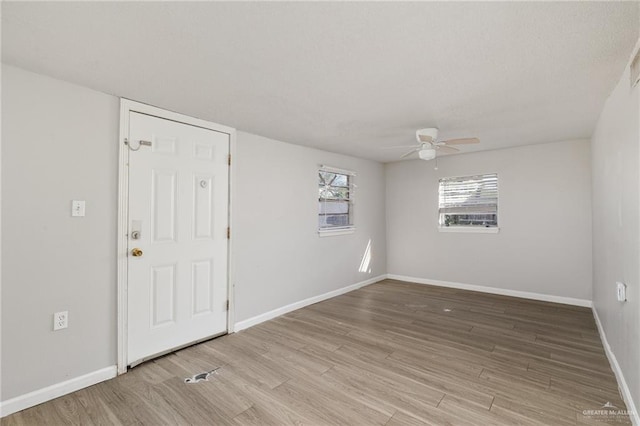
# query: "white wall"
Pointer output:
{"type": "Point", "coordinates": [544, 243]}
{"type": "Point", "coordinates": [616, 226]}
{"type": "Point", "coordinates": [280, 259]}
{"type": "Point", "coordinates": [59, 144]}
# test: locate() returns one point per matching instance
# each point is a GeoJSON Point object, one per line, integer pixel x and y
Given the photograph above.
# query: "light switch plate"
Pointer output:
{"type": "Point", "coordinates": [77, 208]}
{"type": "Point", "coordinates": [621, 291]}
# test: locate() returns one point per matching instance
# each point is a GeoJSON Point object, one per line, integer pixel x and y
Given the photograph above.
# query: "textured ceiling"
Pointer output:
{"type": "Point", "coordinates": [344, 77]}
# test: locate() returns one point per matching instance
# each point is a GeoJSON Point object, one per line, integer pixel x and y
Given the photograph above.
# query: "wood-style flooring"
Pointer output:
{"type": "Point", "coordinates": [391, 354]}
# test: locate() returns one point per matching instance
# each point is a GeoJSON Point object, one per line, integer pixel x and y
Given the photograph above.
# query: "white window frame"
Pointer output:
{"type": "Point", "coordinates": [339, 230]}
{"type": "Point", "coordinates": [470, 228]}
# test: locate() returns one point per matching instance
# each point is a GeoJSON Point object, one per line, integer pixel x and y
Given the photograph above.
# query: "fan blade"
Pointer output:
{"type": "Point", "coordinates": [464, 141]}
{"type": "Point", "coordinates": [447, 149]}
{"type": "Point", "coordinates": [425, 138]}
{"type": "Point", "coordinates": [410, 152]}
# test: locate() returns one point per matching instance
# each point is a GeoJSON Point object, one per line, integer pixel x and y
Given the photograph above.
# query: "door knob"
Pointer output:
{"type": "Point", "coordinates": [136, 252]}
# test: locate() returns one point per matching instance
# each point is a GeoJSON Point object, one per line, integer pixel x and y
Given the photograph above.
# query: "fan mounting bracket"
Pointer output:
{"type": "Point", "coordinates": [428, 135]}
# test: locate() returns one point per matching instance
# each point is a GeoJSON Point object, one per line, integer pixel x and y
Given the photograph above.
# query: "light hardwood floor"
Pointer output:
{"type": "Point", "coordinates": [390, 354]}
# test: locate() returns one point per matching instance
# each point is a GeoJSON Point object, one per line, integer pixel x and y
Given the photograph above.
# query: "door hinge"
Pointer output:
{"type": "Point", "coordinates": [229, 159]}
{"type": "Point", "coordinates": [228, 232]}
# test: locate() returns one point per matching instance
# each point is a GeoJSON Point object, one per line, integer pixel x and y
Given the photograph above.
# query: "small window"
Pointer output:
{"type": "Point", "coordinates": [469, 201]}
{"type": "Point", "coordinates": [335, 200]}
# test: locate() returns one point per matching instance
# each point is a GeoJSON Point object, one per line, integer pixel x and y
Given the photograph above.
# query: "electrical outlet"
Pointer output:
{"type": "Point", "coordinates": [621, 291]}
{"type": "Point", "coordinates": [60, 320]}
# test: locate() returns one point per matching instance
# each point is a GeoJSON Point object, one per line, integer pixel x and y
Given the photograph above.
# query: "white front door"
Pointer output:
{"type": "Point", "coordinates": [177, 236]}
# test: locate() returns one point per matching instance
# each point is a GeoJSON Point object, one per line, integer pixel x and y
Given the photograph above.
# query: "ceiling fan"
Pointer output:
{"type": "Point", "coordinates": [429, 146]}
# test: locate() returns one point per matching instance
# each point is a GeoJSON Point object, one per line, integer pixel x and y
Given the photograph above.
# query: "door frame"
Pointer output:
{"type": "Point", "coordinates": [126, 107]}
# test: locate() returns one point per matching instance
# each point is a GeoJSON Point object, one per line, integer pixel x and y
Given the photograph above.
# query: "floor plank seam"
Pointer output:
{"type": "Point", "coordinates": [388, 420]}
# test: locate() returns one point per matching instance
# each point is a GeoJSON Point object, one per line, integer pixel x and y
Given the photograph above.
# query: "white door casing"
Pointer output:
{"type": "Point", "coordinates": [178, 201]}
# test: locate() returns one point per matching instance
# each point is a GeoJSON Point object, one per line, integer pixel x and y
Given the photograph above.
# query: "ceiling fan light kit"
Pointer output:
{"type": "Point", "coordinates": [427, 154]}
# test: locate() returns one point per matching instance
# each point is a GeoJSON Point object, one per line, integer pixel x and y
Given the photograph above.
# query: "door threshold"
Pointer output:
{"type": "Point", "coordinates": [176, 349]}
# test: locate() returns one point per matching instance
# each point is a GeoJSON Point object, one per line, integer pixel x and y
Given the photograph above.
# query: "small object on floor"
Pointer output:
{"type": "Point", "coordinates": [200, 377]}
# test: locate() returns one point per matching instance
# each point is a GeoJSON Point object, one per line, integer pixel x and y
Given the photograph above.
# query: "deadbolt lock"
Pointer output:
{"type": "Point", "coordinates": [136, 252]}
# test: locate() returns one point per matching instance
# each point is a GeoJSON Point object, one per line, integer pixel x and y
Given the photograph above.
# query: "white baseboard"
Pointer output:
{"type": "Point", "coordinates": [39, 396]}
{"type": "Point", "coordinates": [622, 383]}
{"type": "Point", "coordinates": [301, 304]}
{"type": "Point", "coordinates": [495, 290]}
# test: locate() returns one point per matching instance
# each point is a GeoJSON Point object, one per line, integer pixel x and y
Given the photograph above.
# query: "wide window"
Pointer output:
{"type": "Point", "coordinates": [469, 201]}
{"type": "Point", "coordinates": [335, 199]}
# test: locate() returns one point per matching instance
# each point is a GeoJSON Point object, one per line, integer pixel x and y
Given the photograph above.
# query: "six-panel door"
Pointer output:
{"type": "Point", "coordinates": [178, 204]}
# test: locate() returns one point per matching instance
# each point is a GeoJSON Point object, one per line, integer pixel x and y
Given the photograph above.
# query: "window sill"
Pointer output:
{"type": "Point", "coordinates": [335, 232]}
{"type": "Point", "coordinates": [470, 229]}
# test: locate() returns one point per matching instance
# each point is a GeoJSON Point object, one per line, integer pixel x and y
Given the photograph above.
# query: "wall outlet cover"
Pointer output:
{"type": "Point", "coordinates": [60, 320]}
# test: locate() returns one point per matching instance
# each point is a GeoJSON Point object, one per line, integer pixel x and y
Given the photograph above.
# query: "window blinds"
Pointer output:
{"type": "Point", "coordinates": [469, 195]}
{"type": "Point", "coordinates": [335, 198]}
